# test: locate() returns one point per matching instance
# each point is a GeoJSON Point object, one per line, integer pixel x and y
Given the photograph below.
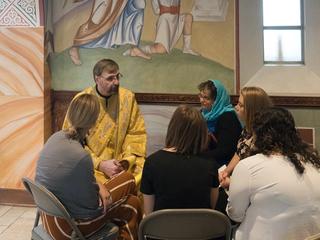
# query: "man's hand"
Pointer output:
{"type": "Point", "coordinates": [110, 167]}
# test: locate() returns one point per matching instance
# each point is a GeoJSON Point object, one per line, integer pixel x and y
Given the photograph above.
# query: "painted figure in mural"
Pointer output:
{"type": "Point", "coordinates": [117, 142]}
{"type": "Point", "coordinates": [66, 169]}
{"type": "Point", "coordinates": [170, 25]}
{"type": "Point", "coordinates": [111, 23]}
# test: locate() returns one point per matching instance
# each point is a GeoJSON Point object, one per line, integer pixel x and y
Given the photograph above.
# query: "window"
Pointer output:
{"type": "Point", "coordinates": [283, 31]}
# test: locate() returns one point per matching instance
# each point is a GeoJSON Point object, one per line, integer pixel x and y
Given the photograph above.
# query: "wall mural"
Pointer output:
{"type": "Point", "coordinates": [19, 13]}
{"type": "Point", "coordinates": [21, 90]}
{"type": "Point", "coordinates": [162, 46]}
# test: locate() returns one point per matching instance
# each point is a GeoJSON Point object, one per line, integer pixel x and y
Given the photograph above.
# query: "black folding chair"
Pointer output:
{"type": "Point", "coordinates": [186, 224]}
{"type": "Point", "coordinates": [49, 204]}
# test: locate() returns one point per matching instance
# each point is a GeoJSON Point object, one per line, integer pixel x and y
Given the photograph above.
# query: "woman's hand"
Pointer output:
{"type": "Point", "coordinates": [223, 174]}
{"type": "Point", "coordinates": [224, 179]}
{"type": "Point", "coordinates": [225, 183]}
{"type": "Point", "coordinates": [105, 196]}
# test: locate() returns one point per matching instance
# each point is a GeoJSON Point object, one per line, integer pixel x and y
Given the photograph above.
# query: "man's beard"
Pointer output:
{"type": "Point", "coordinates": [114, 90]}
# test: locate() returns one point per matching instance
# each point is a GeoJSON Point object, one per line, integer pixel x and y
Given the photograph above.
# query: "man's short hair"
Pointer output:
{"type": "Point", "coordinates": [105, 65]}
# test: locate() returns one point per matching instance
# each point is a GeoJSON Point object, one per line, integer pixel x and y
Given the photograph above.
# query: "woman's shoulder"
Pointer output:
{"type": "Point", "coordinates": [158, 155]}
{"type": "Point", "coordinates": [261, 161]}
{"type": "Point", "coordinates": [206, 158]}
{"type": "Point", "coordinates": [56, 137]}
{"type": "Point", "coordinates": [254, 159]}
{"type": "Point", "coordinates": [60, 142]}
{"type": "Point", "coordinates": [229, 115]}
{"type": "Point", "coordinates": [231, 119]}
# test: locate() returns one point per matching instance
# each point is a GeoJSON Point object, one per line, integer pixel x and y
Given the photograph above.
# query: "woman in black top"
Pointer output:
{"type": "Point", "coordinates": [223, 124]}
{"type": "Point", "coordinates": [178, 176]}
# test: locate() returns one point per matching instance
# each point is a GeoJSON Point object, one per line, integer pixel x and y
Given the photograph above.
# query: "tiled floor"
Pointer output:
{"type": "Point", "coordinates": [16, 222]}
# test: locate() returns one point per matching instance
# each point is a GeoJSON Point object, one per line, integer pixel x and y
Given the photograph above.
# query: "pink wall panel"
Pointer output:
{"type": "Point", "coordinates": [21, 103]}
{"type": "Point", "coordinates": [21, 57]}
{"type": "Point", "coordinates": [21, 138]}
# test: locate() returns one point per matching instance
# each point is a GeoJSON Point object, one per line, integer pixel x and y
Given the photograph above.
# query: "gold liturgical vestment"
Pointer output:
{"type": "Point", "coordinates": [119, 133]}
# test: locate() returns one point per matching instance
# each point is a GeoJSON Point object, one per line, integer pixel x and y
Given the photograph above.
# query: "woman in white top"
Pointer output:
{"type": "Point", "coordinates": [275, 192]}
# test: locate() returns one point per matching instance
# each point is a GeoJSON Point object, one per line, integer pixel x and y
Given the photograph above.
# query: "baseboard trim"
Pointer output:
{"type": "Point", "coordinates": [16, 197]}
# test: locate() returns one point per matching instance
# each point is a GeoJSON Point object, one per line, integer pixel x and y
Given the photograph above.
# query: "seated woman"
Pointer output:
{"type": "Point", "coordinates": [275, 192]}
{"type": "Point", "coordinates": [251, 100]}
{"type": "Point", "coordinates": [223, 124]}
{"type": "Point", "coordinates": [66, 169]}
{"type": "Point", "coordinates": [177, 176]}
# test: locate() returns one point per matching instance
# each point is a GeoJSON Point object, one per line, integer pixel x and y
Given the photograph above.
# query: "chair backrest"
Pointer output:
{"type": "Point", "coordinates": [185, 224]}
{"type": "Point", "coordinates": [49, 204]}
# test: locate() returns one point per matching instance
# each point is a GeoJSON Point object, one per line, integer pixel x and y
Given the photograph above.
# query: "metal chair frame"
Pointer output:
{"type": "Point", "coordinates": [48, 203]}
{"type": "Point", "coordinates": [186, 224]}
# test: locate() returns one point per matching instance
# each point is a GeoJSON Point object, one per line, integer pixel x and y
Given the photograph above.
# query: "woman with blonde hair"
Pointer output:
{"type": "Point", "coordinates": [251, 100]}
{"type": "Point", "coordinates": [66, 169]}
{"type": "Point", "coordinates": [178, 176]}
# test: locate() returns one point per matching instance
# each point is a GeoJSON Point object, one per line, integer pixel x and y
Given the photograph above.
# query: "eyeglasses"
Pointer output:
{"type": "Point", "coordinates": [204, 97]}
{"type": "Point", "coordinates": [112, 77]}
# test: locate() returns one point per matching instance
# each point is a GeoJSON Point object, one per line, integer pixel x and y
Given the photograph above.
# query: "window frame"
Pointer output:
{"type": "Point", "coordinates": [300, 27]}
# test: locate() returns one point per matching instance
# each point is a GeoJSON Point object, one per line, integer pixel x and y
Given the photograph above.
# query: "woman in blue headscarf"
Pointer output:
{"type": "Point", "coordinates": [223, 126]}
{"type": "Point", "coordinates": [222, 121]}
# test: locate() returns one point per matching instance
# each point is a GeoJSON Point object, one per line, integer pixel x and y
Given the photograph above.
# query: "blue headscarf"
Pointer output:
{"type": "Point", "coordinates": [221, 104]}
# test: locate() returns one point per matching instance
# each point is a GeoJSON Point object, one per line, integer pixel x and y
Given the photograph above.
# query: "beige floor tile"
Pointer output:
{"type": "Point", "coordinates": [19, 230]}
{"type": "Point", "coordinates": [4, 209]}
{"type": "Point", "coordinates": [29, 213]}
{"type": "Point", "coordinates": [2, 228]}
{"type": "Point", "coordinates": [11, 215]}
{"type": "Point", "coordinates": [16, 222]}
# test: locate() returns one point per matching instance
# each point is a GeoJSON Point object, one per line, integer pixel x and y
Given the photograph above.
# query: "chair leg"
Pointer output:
{"type": "Point", "coordinates": [233, 230]}
{"type": "Point", "coordinates": [36, 221]}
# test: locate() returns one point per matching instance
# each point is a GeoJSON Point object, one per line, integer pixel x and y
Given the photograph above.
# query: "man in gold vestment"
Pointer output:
{"type": "Point", "coordinates": [117, 142]}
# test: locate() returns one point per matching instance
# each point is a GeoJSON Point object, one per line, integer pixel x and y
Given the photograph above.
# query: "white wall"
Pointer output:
{"type": "Point", "coordinates": [156, 119]}
{"type": "Point", "coordinates": [278, 80]}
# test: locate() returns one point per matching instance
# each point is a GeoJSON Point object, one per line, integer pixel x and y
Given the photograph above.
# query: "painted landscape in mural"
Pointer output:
{"type": "Point", "coordinates": [162, 46]}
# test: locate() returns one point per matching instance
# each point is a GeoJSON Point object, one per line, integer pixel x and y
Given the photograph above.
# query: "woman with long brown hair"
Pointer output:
{"type": "Point", "coordinates": [251, 100]}
{"type": "Point", "coordinates": [178, 176]}
{"type": "Point", "coordinates": [275, 192]}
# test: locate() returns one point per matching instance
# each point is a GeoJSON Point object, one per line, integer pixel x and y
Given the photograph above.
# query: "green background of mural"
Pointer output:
{"type": "Point", "coordinates": [168, 73]}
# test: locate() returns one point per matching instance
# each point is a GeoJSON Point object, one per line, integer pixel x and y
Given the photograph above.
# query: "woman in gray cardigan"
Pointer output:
{"type": "Point", "coordinates": [66, 169]}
